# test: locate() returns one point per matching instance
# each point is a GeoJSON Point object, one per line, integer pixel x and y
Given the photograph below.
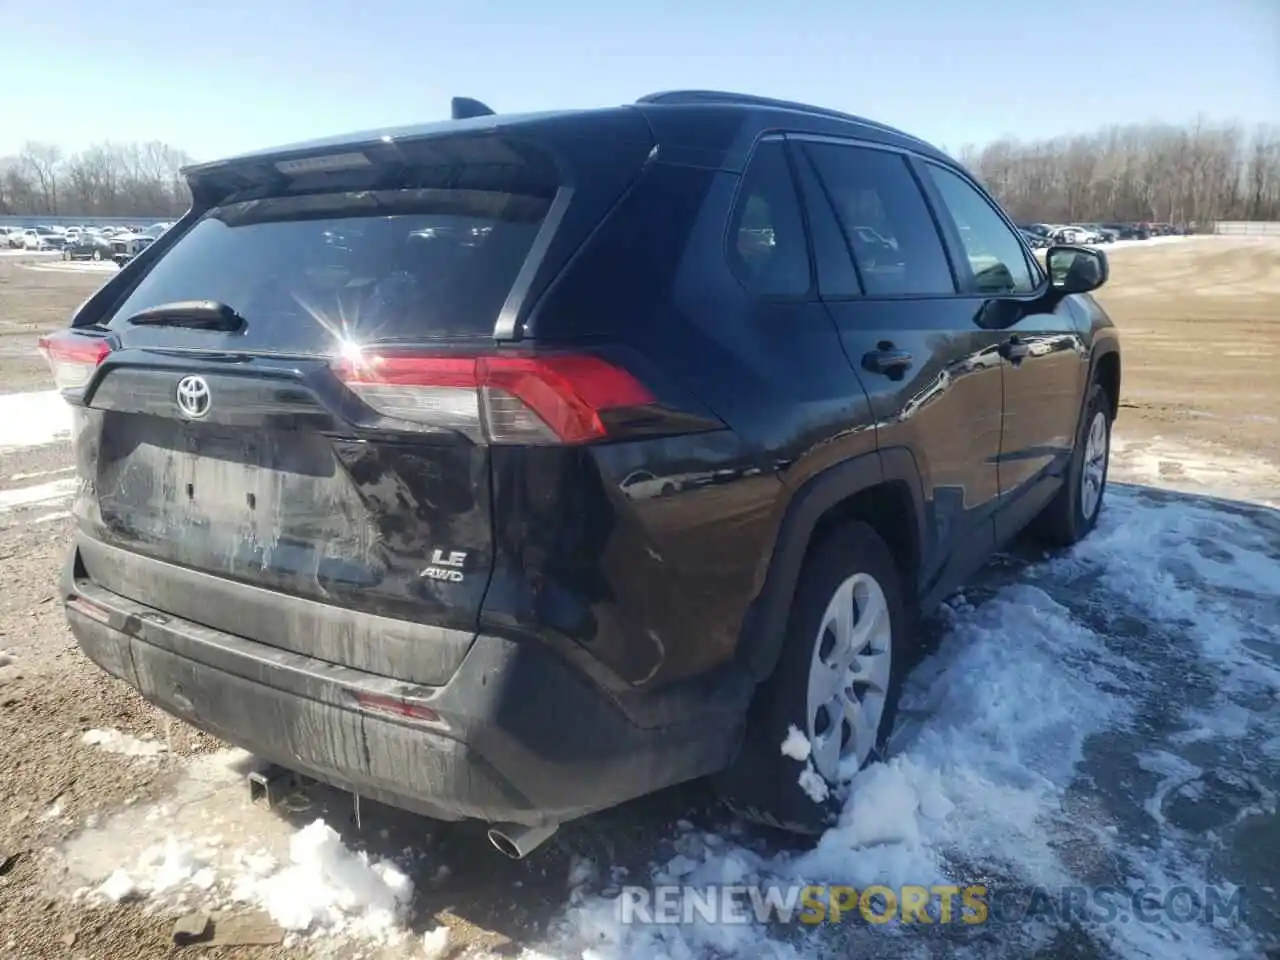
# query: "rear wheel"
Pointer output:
{"type": "Point", "coordinates": [1071, 514]}
{"type": "Point", "coordinates": [829, 706]}
{"type": "Point", "coordinates": [97, 254]}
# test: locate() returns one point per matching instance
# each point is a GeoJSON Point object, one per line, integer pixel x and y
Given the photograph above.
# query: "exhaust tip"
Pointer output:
{"type": "Point", "coordinates": [517, 842]}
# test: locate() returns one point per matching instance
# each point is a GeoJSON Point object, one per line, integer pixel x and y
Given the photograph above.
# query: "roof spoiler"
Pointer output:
{"type": "Point", "coordinates": [464, 108]}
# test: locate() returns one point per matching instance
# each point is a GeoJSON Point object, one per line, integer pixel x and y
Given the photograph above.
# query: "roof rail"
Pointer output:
{"type": "Point", "coordinates": [751, 100]}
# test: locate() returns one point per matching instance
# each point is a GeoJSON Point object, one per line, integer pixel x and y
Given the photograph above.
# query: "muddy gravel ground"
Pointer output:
{"type": "Point", "coordinates": [1201, 327]}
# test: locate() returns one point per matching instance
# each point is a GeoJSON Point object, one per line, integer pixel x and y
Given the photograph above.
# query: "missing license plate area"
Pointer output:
{"type": "Point", "coordinates": [225, 500]}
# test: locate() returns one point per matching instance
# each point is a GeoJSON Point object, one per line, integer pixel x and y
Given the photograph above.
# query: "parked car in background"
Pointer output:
{"type": "Point", "coordinates": [88, 246]}
{"type": "Point", "coordinates": [42, 238]}
{"type": "Point", "coordinates": [1035, 241]}
{"type": "Point", "coordinates": [1067, 234]}
{"type": "Point", "coordinates": [1098, 233]}
{"type": "Point", "coordinates": [126, 246]}
{"type": "Point", "coordinates": [11, 237]}
{"type": "Point", "coordinates": [411, 548]}
{"type": "Point", "coordinates": [1039, 231]}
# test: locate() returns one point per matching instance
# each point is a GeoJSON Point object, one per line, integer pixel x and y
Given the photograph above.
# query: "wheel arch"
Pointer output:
{"type": "Point", "coordinates": [1106, 373]}
{"type": "Point", "coordinates": [881, 489]}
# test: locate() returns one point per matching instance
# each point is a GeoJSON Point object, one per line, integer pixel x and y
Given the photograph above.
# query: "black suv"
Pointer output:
{"type": "Point", "coordinates": [515, 466]}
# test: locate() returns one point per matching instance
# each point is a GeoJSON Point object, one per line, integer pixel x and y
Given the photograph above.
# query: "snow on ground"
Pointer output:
{"type": "Point", "coordinates": [76, 266]}
{"type": "Point", "coordinates": [40, 494]}
{"type": "Point", "coordinates": [1195, 468]}
{"type": "Point", "coordinates": [1152, 241]}
{"type": "Point", "coordinates": [1107, 717]}
{"type": "Point", "coordinates": [1103, 720]}
{"type": "Point", "coordinates": [113, 741]}
{"type": "Point", "coordinates": [204, 849]}
{"type": "Point", "coordinates": [32, 419]}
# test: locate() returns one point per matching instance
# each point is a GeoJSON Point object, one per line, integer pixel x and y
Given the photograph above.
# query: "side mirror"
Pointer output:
{"type": "Point", "coordinates": [1076, 269]}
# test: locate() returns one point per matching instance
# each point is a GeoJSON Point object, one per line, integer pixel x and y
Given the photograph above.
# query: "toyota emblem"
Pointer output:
{"type": "Point", "coordinates": [194, 397]}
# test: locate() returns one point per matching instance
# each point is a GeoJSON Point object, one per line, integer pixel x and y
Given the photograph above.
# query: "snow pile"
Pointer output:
{"type": "Point", "coordinates": [981, 781]}
{"type": "Point", "coordinates": [325, 889]}
{"type": "Point", "coordinates": [162, 869]}
{"type": "Point", "coordinates": [113, 741]}
{"type": "Point", "coordinates": [1058, 737]}
{"type": "Point", "coordinates": [330, 889]}
{"type": "Point", "coordinates": [797, 745]}
{"type": "Point", "coordinates": [33, 419]}
{"type": "Point", "coordinates": [435, 943]}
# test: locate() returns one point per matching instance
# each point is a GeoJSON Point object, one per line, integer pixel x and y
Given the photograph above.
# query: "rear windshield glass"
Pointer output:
{"type": "Point", "coordinates": [306, 271]}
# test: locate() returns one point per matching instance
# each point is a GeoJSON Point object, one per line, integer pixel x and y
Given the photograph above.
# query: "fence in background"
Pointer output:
{"type": "Point", "coordinates": [1248, 228]}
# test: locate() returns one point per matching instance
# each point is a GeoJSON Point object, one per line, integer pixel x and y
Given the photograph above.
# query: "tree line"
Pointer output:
{"type": "Point", "coordinates": [105, 180]}
{"type": "Point", "coordinates": [1196, 172]}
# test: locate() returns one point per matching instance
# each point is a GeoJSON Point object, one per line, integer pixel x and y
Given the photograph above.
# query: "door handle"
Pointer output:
{"type": "Point", "coordinates": [1014, 349]}
{"type": "Point", "coordinates": [888, 359]}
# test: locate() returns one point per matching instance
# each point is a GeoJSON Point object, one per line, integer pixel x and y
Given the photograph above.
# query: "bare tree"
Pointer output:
{"type": "Point", "coordinates": [1198, 172]}
{"type": "Point", "coordinates": [40, 162]}
{"type": "Point", "coordinates": [107, 179]}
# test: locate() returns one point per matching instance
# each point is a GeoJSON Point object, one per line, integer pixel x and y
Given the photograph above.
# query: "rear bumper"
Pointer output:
{"type": "Point", "coordinates": [521, 736]}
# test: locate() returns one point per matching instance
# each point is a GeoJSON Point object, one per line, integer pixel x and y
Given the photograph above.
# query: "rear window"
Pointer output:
{"type": "Point", "coordinates": [307, 271]}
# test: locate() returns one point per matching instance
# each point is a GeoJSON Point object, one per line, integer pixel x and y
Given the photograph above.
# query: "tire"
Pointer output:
{"type": "Point", "coordinates": [97, 255]}
{"type": "Point", "coordinates": [1073, 512]}
{"type": "Point", "coordinates": [763, 784]}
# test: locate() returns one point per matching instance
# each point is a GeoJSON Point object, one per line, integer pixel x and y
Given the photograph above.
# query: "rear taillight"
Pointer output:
{"type": "Point", "coordinates": [558, 398]}
{"type": "Point", "coordinates": [72, 357]}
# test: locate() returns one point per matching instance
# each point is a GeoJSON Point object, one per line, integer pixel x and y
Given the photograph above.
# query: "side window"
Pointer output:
{"type": "Point", "coordinates": [886, 223]}
{"type": "Point", "coordinates": [767, 247]}
{"type": "Point", "coordinates": [997, 258]}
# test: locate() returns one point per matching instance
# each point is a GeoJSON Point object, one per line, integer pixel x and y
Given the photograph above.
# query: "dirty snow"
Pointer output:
{"type": "Point", "coordinates": [39, 495]}
{"type": "Point", "coordinates": [323, 889]}
{"type": "Point", "coordinates": [113, 741]}
{"type": "Point", "coordinates": [33, 419]}
{"type": "Point", "coordinates": [53, 813]}
{"type": "Point", "coordinates": [1197, 468]}
{"type": "Point", "coordinates": [205, 849]}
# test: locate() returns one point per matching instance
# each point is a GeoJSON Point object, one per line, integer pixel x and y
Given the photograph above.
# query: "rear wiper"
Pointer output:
{"type": "Point", "coordinates": [196, 314]}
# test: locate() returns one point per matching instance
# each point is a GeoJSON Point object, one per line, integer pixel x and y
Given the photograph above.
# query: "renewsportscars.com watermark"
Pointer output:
{"type": "Point", "coordinates": [972, 905]}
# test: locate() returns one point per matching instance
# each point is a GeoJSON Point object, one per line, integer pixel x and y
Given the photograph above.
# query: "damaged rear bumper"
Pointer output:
{"type": "Point", "coordinates": [515, 735]}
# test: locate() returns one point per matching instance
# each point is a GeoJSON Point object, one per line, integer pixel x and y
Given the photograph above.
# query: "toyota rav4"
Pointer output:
{"type": "Point", "coordinates": [515, 466]}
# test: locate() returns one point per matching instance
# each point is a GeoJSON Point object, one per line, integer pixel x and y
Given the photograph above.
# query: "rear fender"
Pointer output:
{"type": "Point", "coordinates": [765, 625]}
